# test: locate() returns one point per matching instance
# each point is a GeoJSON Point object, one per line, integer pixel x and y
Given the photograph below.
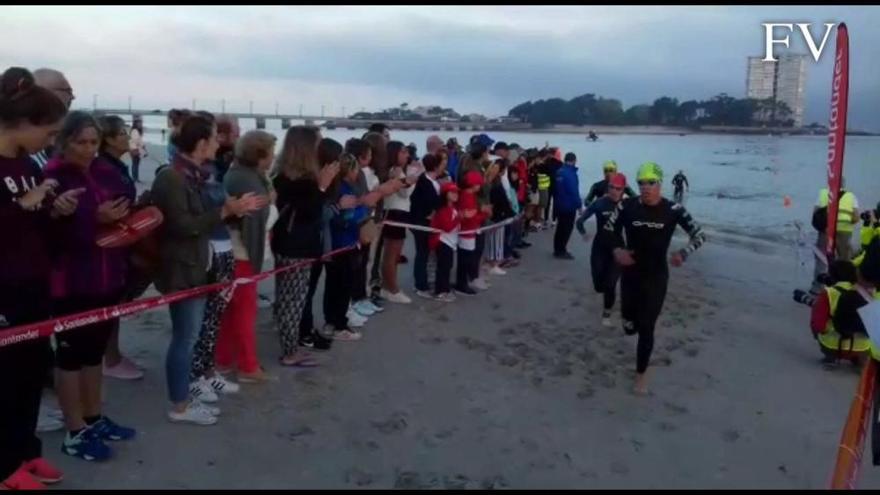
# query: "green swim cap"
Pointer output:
{"type": "Point", "coordinates": [650, 171]}
{"type": "Point", "coordinates": [609, 165]}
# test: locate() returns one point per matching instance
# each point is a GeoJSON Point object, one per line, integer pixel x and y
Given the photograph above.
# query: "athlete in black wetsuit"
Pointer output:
{"type": "Point", "coordinates": [679, 182]}
{"type": "Point", "coordinates": [648, 222]}
{"type": "Point", "coordinates": [602, 265]}
{"type": "Point", "coordinates": [598, 189]}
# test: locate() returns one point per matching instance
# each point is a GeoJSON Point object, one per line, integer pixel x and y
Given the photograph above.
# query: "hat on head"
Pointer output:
{"type": "Point", "coordinates": [448, 187]}
{"type": "Point", "coordinates": [485, 140]}
{"type": "Point", "coordinates": [473, 178]}
{"type": "Point", "coordinates": [609, 166]}
{"type": "Point", "coordinates": [618, 180]}
{"type": "Point", "coordinates": [650, 171]}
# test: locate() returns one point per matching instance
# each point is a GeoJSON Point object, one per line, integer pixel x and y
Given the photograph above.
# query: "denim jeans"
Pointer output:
{"type": "Point", "coordinates": [186, 320]}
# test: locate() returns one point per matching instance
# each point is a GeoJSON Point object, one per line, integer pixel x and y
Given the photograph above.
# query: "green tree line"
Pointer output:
{"type": "Point", "coordinates": [588, 109]}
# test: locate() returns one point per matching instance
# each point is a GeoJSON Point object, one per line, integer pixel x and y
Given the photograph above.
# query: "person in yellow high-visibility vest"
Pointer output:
{"type": "Point", "coordinates": [851, 342]}
{"type": "Point", "coordinates": [847, 219]}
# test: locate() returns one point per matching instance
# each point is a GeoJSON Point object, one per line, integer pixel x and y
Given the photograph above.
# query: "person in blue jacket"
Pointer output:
{"type": "Point", "coordinates": [567, 199]}
{"type": "Point", "coordinates": [345, 224]}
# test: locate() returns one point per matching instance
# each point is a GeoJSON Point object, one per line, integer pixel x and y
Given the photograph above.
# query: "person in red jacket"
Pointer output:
{"type": "Point", "coordinates": [448, 220]}
{"type": "Point", "coordinates": [522, 169]}
{"type": "Point", "coordinates": [472, 216]}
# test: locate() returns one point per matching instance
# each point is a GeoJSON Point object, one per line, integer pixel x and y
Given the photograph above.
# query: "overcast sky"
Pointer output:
{"type": "Point", "coordinates": [474, 59]}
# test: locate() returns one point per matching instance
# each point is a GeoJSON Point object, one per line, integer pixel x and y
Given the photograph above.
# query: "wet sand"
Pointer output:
{"type": "Point", "coordinates": [519, 387]}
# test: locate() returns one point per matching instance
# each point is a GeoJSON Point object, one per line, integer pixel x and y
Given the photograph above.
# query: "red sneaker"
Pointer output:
{"type": "Point", "coordinates": [21, 480]}
{"type": "Point", "coordinates": [40, 469]}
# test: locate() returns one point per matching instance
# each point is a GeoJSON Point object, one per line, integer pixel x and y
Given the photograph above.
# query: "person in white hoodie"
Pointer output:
{"type": "Point", "coordinates": [397, 210]}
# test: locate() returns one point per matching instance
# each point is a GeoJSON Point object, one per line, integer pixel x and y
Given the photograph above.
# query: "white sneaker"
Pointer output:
{"type": "Point", "coordinates": [201, 390]}
{"type": "Point", "coordinates": [347, 335]}
{"type": "Point", "coordinates": [362, 309]}
{"type": "Point", "coordinates": [445, 297]}
{"type": "Point", "coordinates": [399, 297]}
{"type": "Point", "coordinates": [47, 422]}
{"type": "Point", "coordinates": [497, 270]}
{"type": "Point", "coordinates": [220, 385]}
{"type": "Point", "coordinates": [480, 284]}
{"type": "Point", "coordinates": [354, 319]}
{"type": "Point", "coordinates": [214, 410]}
{"type": "Point", "coordinates": [195, 413]}
{"type": "Point", "coordinates": [369, 304]}
{"type": "Point", "coordinates": [425, 294]}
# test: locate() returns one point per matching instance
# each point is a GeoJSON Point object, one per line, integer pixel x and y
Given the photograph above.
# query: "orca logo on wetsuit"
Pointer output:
{"type": "Point", "coordinates": [650, 225]}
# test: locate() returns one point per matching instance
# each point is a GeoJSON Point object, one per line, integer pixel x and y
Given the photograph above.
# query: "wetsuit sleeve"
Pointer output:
{"type": "Point", "coordinates": [629, 192]}
{"type": "Point", "coordinates": [686, 222]}
{"type": "Point", "coordinates": [820, 314]}
{"type": "Point", "coordinates": [686, 183]}
{"type": "Point", "coordinates": [615, 225]}
{"type": "Point", "coordinates": [590, 195]}
{"type": "Point", "coordinates": [588, 212]}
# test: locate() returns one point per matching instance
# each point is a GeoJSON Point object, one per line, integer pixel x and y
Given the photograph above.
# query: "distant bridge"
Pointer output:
{"type": "Point", "coordinates": [264, 116]}
{"type": "Point", "coordinates": [330, 122]}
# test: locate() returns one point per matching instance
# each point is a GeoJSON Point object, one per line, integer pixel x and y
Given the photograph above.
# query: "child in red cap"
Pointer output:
{"type": "Point", "coordinates": [447, 219]}
{"type": "Point", "coordinates": [471, 218]}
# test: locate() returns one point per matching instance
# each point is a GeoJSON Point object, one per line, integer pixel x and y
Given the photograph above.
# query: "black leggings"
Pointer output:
{"type": "Point", "coordinates": [420, 264]}
{"type": "Point", "coordinates": [136, 167]}
{"type": "Point", "coordinates": [307, 321]}
{"type": "Point", "coordinates": [445, 257]}
{"type": "Point", "coordinates": [337, 288]}
{"type": "Point", "coordinates": [359, 289]}
{"type": "Point", "coordinates": [463, 267]}
{"type": "Point", "coordinates": [605, 273]}
{"type": "Point", "coordinates": [376, 268]}
{"type": "Point", "coordinates": [641, 300]}
{"type": "Point", "coordinates": [83, 347]}
{"type": "Point", "coordinates": [22, 371]}
{"type": "Point", "coordinates": [563, 232]}
{"type": "Point", "coordinates": [477, 256]}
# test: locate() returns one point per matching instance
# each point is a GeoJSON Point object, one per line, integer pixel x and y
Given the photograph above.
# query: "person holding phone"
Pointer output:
{"type": "Point", "coordinates": [398, 205]}
{"type": "Point", "coordinates": [84, 277]}
{"type": "Point", "coordinates": [30, 117]}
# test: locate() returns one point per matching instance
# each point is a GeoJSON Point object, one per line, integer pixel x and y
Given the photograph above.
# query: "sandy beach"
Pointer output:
{"type": "Point", "coordinates": [520, 387]}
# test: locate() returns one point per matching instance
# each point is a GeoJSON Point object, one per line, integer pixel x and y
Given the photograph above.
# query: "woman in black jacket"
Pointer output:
{"type": "Point", "coordinates": [424, 201]}
{"type": "Point", "coordinates": [501, 210]}
{"type": "Point", "coordinates": [301, 187]}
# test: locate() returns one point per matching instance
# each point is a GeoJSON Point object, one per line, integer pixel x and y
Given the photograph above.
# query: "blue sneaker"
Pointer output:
{"type": "Point", "coordinates": [86, 445]}
{"type": "Point", "coordinates": [106, 429]}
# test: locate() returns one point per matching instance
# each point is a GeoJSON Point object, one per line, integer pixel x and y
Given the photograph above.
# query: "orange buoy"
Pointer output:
{"type": "Point", "coordinates": [786, 201]}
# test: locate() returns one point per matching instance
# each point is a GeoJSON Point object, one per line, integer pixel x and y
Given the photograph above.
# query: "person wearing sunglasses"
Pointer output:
{"type": "Point", "coordinates": [598, 189]}
{"type": "Point", "coordinates": [605, 271]}
{"type": "Point", "coordinates": [649, 221]}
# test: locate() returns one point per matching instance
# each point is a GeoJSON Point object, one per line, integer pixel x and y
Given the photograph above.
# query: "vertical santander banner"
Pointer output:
{"type": "Point", "coordinates": [837, 132]}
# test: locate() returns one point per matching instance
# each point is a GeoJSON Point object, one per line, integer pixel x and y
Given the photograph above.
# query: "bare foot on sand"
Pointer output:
{"type": "Point", "coordinates": [641, 386]}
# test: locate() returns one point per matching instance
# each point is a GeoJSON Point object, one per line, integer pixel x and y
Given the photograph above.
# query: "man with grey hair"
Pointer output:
{"type": "Point", "coordinates": [434, 144]}
{"type": "Point", "coordinates": [55, 82]}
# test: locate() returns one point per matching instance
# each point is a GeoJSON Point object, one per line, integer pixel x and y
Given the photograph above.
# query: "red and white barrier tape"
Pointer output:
{"type": "Point", "coordinates": [33, 331]}
{"type": "Point", "coordinates": [46, 328]}
{"type": "Point", "coordinates": [423, 228]}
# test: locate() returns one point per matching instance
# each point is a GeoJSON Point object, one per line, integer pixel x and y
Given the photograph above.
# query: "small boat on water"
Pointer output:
{"type": "Point", "coordinates": [592, 136]}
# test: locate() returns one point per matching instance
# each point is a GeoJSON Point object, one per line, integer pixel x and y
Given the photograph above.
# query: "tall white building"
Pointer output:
{"type": "Point", "coordinates": [784, 81]}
